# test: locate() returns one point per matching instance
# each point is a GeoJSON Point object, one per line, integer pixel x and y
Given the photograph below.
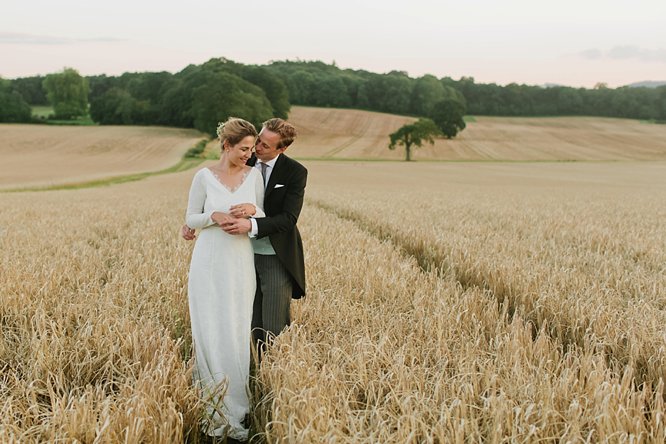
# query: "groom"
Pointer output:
{"type": "Point", "coordinates": [278, 249]}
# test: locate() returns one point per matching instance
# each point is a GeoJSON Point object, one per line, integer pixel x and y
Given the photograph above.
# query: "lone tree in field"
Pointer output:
{"type": "Point", "coordinates": [414, 134]}
{"type": "Point", "coordinates": [68, 93]}
{"type": "Point", "coordinates": [448, 115]}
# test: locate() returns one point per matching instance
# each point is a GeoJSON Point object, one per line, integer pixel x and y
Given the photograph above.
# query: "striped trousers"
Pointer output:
{"type": "Point", "coordinates": [271, 310]}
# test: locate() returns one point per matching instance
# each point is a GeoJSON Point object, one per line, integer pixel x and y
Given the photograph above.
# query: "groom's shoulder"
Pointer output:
{"type": "Point", "coordinates": [293, 165]}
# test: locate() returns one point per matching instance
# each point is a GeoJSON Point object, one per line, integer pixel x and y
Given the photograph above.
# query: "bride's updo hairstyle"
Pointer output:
{"type": "Point", "coordinates": [233, 130]}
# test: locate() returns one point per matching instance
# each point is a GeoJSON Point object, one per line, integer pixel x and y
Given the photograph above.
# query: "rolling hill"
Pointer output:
{"type": "Point", "coordinates": [37, 155]}
{"type": "Point", "coordinates": [354, 134]}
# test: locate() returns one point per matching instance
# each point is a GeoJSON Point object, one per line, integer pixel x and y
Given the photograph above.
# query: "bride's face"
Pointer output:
{"type": "Point", "coordinates": [240, 153]}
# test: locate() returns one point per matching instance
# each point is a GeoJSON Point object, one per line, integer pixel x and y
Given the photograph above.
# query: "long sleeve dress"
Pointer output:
{"type": "Point", "coordinates": [221, 290]}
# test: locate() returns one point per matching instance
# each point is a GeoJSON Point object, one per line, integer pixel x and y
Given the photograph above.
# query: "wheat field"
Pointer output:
{"type": "Point", "coordinates": [447, 302]}
{"type": "Point", "coordinates": [43, 155]}
{"type": "Point", "coordinates": [556, 282]}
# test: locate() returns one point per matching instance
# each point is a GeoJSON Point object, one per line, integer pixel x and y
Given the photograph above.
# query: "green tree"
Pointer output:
{"type": "Point", "coordinates": [302, 87]}
{"type": "Point", "coordinates": [414, 135]}
{"type": "Point", "coordinates": [148, 89]}
{"type": "Point", "coordinates": [660, 112]}
{"type": "Point", "coordinates": [448, 116]}
{"type": "Point", "coordinates": [427, 91]}
{"type": "Point", "coordinates": [31, 90]}
{"type": "Point", "coordinates": [221, 95]}
{"type": "Point", "coordinates": [176, 106]}
{"type": "Point", "coordinates": [273, 86]}
{"type": "Point", "coordinates": [115, 107]}
{"type": "Point", "coordinates": [390, 93]}
{"type": "Point", "coordinates": [569, 101]}
{"type": "Point", "coordinates": [331, 91]}
{"type": "Point", "coordinates": [68, 93]}
{"type": "Point", "coordinates": [12, 106]}
{"type": "Point", "coordinates": [98, 85]}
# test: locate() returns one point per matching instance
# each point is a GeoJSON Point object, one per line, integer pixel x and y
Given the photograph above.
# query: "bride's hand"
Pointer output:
{"type": "Point", "coordinates": [221, 218]}
{"type": "Point", "coordinates": [244, 210]}
{"type": "Point", "coordinates": [187, 233]}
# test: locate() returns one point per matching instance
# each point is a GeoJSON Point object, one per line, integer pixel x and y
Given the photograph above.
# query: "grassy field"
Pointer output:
{"type": "Point", "coordinates": [447, 302]}
{"type": "Point", "coordinates": [42, 112]}
{"type": "Point", "coordinates": [45, 114]}
{"type": "Point", "coordinates": [41, 155]}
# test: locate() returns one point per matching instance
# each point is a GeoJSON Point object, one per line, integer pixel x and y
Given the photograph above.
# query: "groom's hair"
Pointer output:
{"type": "Point", "coordinates": [284, 129]}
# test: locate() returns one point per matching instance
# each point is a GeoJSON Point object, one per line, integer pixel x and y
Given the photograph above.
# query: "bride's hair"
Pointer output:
{"type": "Point", "coordinates": [233, 130]}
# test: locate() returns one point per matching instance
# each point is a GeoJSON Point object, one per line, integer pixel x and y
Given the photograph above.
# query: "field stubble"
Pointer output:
{"type": "Point", "coordinates": [41, 155]}
{"type": "Point", "coordinates": [353, 134]}
{"type": "Point", "coordinates": [447, 303]}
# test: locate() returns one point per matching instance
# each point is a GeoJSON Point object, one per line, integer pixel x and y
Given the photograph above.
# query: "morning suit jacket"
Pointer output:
{"type": "Point", "coordinates": [282, 206]}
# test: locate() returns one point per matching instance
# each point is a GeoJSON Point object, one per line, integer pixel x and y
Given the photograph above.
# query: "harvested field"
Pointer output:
{"type": "Point", "coordinates": [40, 155]}
{"type": "Point", "coordinates": [345, 134]}
{"type": "Point", "coordinates": [46, 155]}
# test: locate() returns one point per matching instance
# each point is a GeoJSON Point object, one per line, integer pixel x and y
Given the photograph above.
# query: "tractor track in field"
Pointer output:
{"type": "Point", "coordinates": [431, 260]}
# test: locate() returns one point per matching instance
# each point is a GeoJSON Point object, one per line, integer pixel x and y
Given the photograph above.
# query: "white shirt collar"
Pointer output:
{"type": "Point", "coordinates": [270, 163]}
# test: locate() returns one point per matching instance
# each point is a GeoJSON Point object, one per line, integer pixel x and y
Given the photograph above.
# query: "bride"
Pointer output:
{"type": "Point", "coordinates": [222, 280]}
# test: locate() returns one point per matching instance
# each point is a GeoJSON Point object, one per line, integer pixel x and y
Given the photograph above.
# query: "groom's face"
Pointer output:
{"type": "Point", "coordinates": [266, 147]}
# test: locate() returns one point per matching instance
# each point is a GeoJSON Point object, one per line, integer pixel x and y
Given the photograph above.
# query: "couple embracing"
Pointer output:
{"type": "Point", "coordinates": [247, 263]}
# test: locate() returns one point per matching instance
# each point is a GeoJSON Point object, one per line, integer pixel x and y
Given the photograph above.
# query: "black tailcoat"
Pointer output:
{"type": "Point", "coordinates": [283, 201]}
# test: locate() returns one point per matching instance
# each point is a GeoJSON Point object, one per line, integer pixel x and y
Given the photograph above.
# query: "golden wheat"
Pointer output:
{"type": "Point", "coordinates": [581, 258]}
{"type": "Point", "coordinates": [94, 317]}
{"type": "Point", "coordinates": [446, 303]}
{"type": "Point", "coordinates": [386, 352]}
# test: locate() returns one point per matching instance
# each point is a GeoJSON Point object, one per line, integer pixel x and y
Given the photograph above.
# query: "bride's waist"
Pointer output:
{"type": "Point", "coordinates": [216, 230]}
{"type": "Point", "coordinates": [213, 229]}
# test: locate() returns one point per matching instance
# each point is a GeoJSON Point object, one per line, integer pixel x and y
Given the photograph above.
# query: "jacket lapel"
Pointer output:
{"type": "Point", "coordinates": [275, 175]}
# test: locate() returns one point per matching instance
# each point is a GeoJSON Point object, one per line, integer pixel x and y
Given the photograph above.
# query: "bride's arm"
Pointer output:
{"type": "Point", "coordinates": [195, 216]}
{"type": "Point", "coordinates": [249, 226]}
{"type": "Point", "coordinates": [259, 196]}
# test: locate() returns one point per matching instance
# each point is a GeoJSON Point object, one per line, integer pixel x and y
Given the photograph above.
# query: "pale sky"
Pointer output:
{"type": "Point", "coordinates": [576, 43]}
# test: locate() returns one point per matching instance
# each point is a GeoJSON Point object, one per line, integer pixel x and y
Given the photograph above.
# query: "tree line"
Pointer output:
{"type": "Point", "coordinates": [197, 97]}
{"type": "Point", "coordinates": [201, 95]}
{"type": "Point", "coordinates": [320, 84]}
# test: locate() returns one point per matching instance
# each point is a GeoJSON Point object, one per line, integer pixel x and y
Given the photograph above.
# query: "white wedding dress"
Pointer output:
{"type": "Point", "coordinates": [221, 290]}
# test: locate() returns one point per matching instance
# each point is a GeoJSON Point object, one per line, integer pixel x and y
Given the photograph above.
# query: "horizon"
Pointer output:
{"type": "Point", "coordinates": [569, 44]}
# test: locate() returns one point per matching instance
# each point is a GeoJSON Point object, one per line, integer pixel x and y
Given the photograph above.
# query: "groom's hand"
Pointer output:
{"type": "Point", "coordinates": [238, 226]}
{"type": "Point", "coordinates": [187, 233]}
{"type": "Point", "coordinates": [243, 210]}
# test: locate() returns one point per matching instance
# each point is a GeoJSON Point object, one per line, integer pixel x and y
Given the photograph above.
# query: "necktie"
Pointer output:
{"type": "Point", "coordinates": [263, 171]}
